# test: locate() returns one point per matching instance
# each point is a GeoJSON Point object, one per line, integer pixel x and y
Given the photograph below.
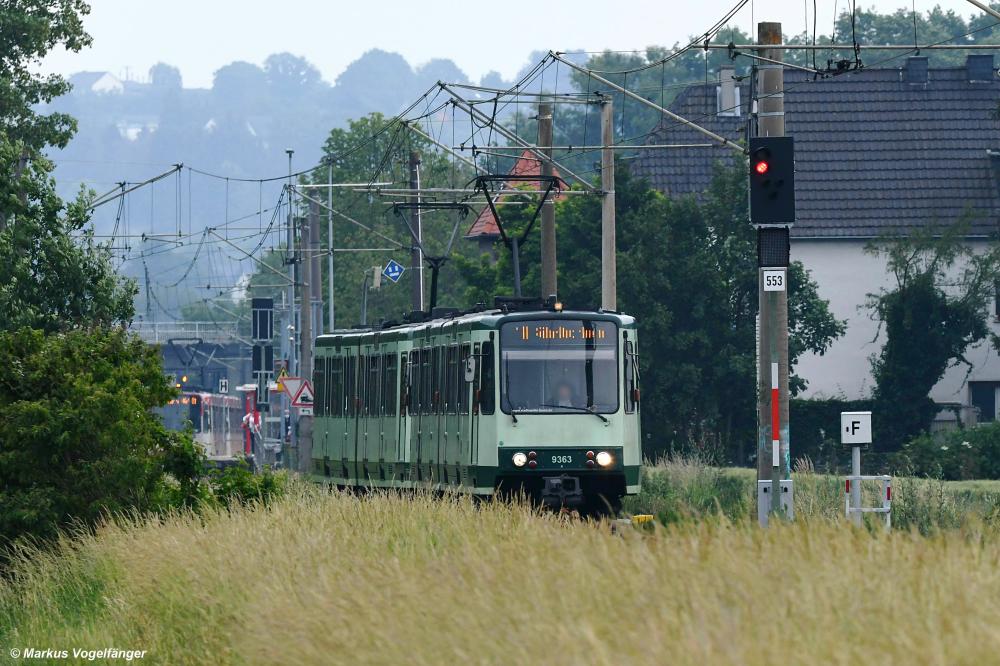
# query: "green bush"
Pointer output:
{"type": "Point", "coordinates": [968, 453]}
{"type": "Point", "coordinates": [239, 485]}
{"type": "Point", "coordinates": [78, 439]}
{"type": "Point", "coordinates": [686, 488]}
{"type": "Point", "coordinates": [815, 431]}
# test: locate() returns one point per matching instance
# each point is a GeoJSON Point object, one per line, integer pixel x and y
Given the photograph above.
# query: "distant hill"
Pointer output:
{"type": "Point", "coordinates": [130, 130]}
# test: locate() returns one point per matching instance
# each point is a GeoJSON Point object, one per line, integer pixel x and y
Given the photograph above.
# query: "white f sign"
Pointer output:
{"type": "Point", "coordinates": [856, 427]}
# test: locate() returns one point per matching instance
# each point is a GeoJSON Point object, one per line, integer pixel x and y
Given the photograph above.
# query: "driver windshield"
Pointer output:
{"type": "Point", "coordinates": [559, 366]}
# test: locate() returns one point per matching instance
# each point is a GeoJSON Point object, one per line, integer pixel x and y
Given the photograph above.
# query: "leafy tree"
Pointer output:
{"type": "Point", "coordinates": [165, 77]}
{"type": "Point", "coordinates": [238, 87]}
{"type": "Point", "coordinates": [289, 75]}
{"type": "Point", "coordinates": [48, 280]}
{"type": "Point", "coordinates": [77, 436]}
{"type": "Point", "coordinates": [937, 308]}
{"type": "Point", "coordinates": [687, 271]}
{"type": "Point", "coordinates": [32, 28]}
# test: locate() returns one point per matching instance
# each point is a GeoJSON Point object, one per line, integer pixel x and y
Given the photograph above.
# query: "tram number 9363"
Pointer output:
{"type": "Point", "coordinates": [562, 460]}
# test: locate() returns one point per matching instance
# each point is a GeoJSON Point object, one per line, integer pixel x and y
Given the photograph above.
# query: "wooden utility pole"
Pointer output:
{"type": "Point", "coordinates": [416, 254]}
{"type": "Point", "coordinates": [772, 353]}
{"type": "Point", "coordinates": [609, 271]}
{"type": "Point", "coordinates": [549, 279]}
{"type": "Point", "coordinates": [305, 319]}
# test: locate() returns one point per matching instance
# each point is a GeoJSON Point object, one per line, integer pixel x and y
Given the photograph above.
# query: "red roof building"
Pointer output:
{"type": "Point", "coordinates": [485, 228]}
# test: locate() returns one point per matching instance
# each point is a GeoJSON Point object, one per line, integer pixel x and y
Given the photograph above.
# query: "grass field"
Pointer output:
{"type": "Point", "coordinates": [318, 578]}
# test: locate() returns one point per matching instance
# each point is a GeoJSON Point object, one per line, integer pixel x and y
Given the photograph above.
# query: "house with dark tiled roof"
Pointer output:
{"type": "Point", "coordinates": [877, 152]}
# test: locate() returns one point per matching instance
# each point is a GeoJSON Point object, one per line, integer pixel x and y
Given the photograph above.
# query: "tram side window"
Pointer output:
{"type": "Point", "coordinates": [351, 386]}
{"type": "Point", "coordinates": [487, 403]}
{"type": "Point", "coordinates": [434, 386]}
{"type": "Point", "coordinates": [319, 381]}
{"type": "Point", "coordinates": [413, 389]}
{"type": "Point", "coordinates": [362, 385]}
{"type": "Point", "coordinates": [631, 377]}
{"type": "Point", "coordinates": [426, 382]}
{"type": "Point", "coordinates": [335, 391]}
{"type": "Point", "coordinates": [449, 380]}
{"type": "Point", "coordinates": [404, 385]}
{"type": "Point", "coordinates": [463, 386]}
{"type": "Point", "coordinates": [374, 403]}
{"type": "Point", "coordinates": [389, 385]}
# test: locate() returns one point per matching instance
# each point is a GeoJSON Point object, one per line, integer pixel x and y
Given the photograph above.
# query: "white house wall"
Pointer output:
{"type": "Point", "coordinates": [846, 275]}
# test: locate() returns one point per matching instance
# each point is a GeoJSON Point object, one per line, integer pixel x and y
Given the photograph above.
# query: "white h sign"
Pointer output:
{"type": "Point", "coordinates": [856, 427]}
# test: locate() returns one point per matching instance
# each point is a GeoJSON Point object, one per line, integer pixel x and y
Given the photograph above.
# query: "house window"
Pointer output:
{"type": "Point", "coordinates": [996, 299]}
{"type": "Point", "coordinates": [983, 396]}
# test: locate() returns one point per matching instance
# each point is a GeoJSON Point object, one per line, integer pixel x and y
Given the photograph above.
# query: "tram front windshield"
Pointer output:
{"type": "Point", "coordinates": [180, 410]}
{"type": "Point", "coordinates": [559, 366]}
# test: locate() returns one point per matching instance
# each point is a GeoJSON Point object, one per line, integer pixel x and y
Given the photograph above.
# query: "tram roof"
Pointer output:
{"type": "Point", "coordinates": [463, 321]}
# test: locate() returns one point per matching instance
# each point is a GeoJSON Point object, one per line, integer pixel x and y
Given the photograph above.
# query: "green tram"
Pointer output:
{"type": "Point", "coordinates": [535, 400]}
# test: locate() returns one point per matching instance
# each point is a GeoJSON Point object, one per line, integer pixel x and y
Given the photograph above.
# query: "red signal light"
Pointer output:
{"type": "Point", "coordinates": [761, 167]}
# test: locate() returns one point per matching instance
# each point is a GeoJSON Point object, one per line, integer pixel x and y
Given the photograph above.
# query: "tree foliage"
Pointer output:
{"type": "Point", "coordinates": [78, 438]}
{"type": "Point", "coordinates": [49, 279]}
{"type": "Point", "coordinates": [936, 309]}
{"type": "Point", "coordinates": [30, 29]}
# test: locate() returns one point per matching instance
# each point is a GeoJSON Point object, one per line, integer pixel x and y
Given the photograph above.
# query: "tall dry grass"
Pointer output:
{"type": "Point", "coordinates": [334, 579]}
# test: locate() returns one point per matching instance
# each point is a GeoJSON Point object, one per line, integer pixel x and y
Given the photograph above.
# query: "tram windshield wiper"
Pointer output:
{"type": "Point", "coordinates": [588, 410]}
{"type": "Point", "coordinates": [506, 390]}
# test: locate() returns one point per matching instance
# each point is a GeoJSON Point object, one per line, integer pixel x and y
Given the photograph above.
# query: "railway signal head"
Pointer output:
{"type": "Point", "coordinates": [772, 180]}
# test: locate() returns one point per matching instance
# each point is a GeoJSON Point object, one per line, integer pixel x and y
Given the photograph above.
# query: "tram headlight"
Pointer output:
{"type": "Point", "coordinates": [605, 459]}
{"type": "Point", "coordinates": [519, 459]}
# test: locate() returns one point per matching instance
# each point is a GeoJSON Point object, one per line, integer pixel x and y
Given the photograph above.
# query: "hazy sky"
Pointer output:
{"type": "Point", "coordinates": [199, 36]}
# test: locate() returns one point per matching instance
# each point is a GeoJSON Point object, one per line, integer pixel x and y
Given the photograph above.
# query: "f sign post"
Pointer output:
{"type": "Point", "coordinates": [856, 430]}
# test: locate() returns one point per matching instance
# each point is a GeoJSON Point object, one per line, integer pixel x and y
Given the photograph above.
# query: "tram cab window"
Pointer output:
{"type": "Point", "coordinates": [559, 366]}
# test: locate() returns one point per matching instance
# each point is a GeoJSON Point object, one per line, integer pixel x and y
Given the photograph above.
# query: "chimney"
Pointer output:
{"type": "Point", "coordinates": [916, 70]}
{"type": "Point", "coordinates": [979, 67]}
{"type": "Point", "coordinates": [727, 101]}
